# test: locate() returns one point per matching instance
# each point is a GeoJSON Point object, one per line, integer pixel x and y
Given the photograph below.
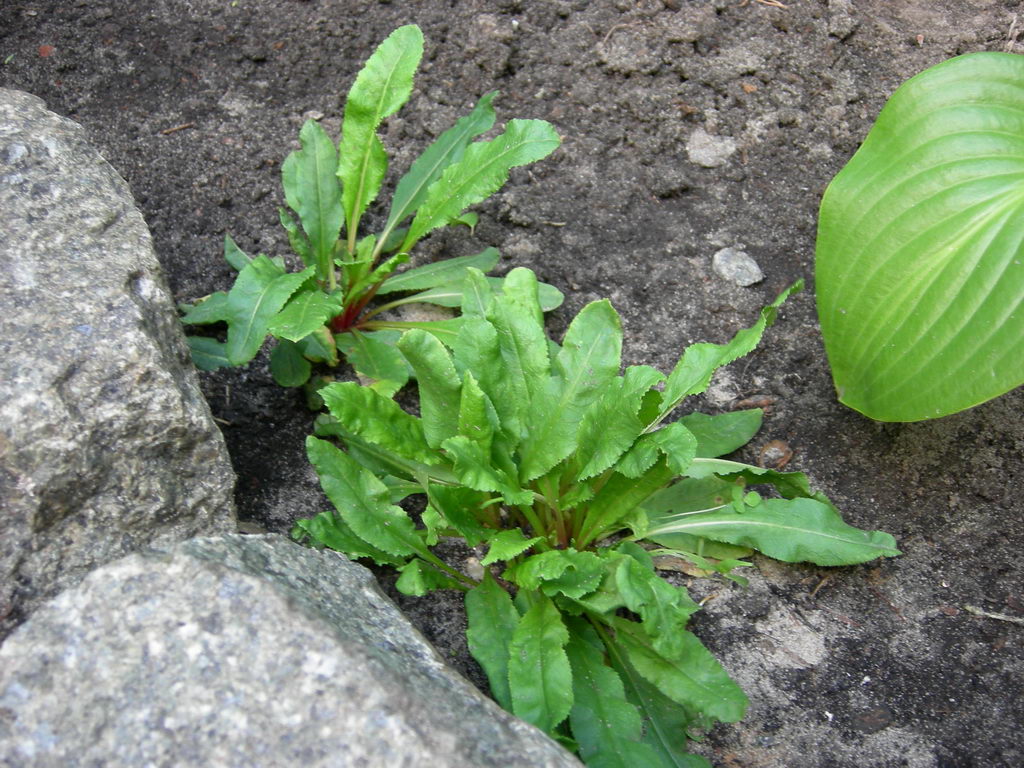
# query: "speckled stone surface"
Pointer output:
{"type": "Point", "coordinates": [242, 651]}
{"type": "Point", "coordinates": [106, 443]}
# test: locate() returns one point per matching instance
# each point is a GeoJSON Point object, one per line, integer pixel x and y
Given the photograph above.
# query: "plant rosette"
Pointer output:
{"type": "Point", "coordinates": [566, 470]}
{"type": "Point", "coordinates": [324, 313]}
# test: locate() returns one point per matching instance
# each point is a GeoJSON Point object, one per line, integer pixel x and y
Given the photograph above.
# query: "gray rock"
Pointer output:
{"type": "Point", "coordinates": [106, 443]}
{"type": "Point", "coordinates": [736, 266]}
{"type": "Point", "coordinates": [709, 151]}
{"type": "Point", "coordinates": [242, 651]}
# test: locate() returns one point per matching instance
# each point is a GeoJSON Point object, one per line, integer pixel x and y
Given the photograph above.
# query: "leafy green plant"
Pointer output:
{"type": "Point", "coordinates": [324, 313]}
{"type": "Point", "coordinates": [559, 464]}
{"type": "Point", "coordinates": [920, 262]}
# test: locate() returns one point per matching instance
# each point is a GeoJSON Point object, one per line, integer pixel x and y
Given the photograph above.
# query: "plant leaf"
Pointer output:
{"type": "Point", "coordinates": [234, 255]}
{"type": "Point", "coordinates": [665, 722]}
{"type": "Point", "coordinates": [540, 679]}
{"type": "Point", "coordinates": [724, 433]}
{"type": "Point", "coordinates": [418, 578]}
{"type": "Point", "coordinates": [296, 237]}
{"type": "Point", "coordinates": [474, 469]}
{"type": "Point", "coordinates": [492, 620]}
{"type": "Point", "coordinates": [362, 501]}
{"type": "Point", "coordinates": [693, 372]}
{"type": "Point", "coordinates": [328, 530]}
{"type": "Point", "coordinates": [304, 313]}
{"type": "Point", "coordinates": [258, 294]}
{"type": "Point", "coordinates": [608, 728]}
{"type": "Point", "coordinates": [664, 609]}
{"type": "Point", "coordinates": [612, 425]}
{"type": "Point", "coordinates": [212, 309]}
{"type": "Point", "coordinates": [287, 365]}
{"type": "Point", "coordinates": [508, 544]}
{"type": "Point", "coordinates": [482, 170]}
{"type": "Point", "coordinates": [619, 497]}
{"type": "Point", "coordinates": [311, 189]}
{"type": "Point", "coordinates": [692, 678]}
{"type": "Point", "coordinates": [208, 354]}
{"type": "Point", "coordinates": [379, 420]}
{"type": "Point", "coordinates": [459, 507]}
{"type": "Point", "coordinates": [446, 272]}
{"type": "Point", "coordinates": [588, 361]}
{"type": "Point", "coordinates": [374, 357]}
{"type": "Point", "coordinates": [439, 384]}
{"type": "Point", "coordinates": [448, 149]}
{"type": "Point", "coordinates": [920, 282]}
{"type": "Point", "coordinates": [380, 89]}
{"type": "Point", "coordinates": [678, 444]}
{"type": "Point", "coordinates": [792, 530]}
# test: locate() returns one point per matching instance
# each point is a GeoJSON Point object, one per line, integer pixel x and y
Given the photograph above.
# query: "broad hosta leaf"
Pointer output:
{"type": "Point", "coordinates": [724, 433]}
{"type": "Point", "coordinates": [311, 189]}
{"type": "Point", "coordinates": [539, 675]}
{"type": "Point", "coordinates": [482, 170]}
{"type": "Point", "coordinates": [447, 272]}
{"type": "Point", "coordinates": [379, 420]}
{"type": "Point", "coordinates": [363, 501]}
{"type": "Point", "coordinates": [258, 294]}
{"type": "Point", "coordinates": [287, 364]}
{"type": "Point", "coordinates": [699, 362]}
{"type": "Point", "coordinates": [380, 89]}
{"type": "Point", "coordinates": [304, 313]}
{"type": "Point", "coordinates": [448, 149]}
{"type": "Point", "coordinates": [793, 530]}
{"type": "Point", "coordinates": [608, 728]}
{"type": "Point", "coordinates": [693, 678]}
{"type": "Point", "coordinates": [492, 619]}
{"type": "Point", "coordinates": [920, 263]}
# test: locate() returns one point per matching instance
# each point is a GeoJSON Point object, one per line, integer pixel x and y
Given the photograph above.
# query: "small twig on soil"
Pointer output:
{"type": "Point", "coordinates": [555, 223]}
{"type": "Point", "coordinates": [881, 596]}
{"type": "Point", "coordinates": [769, 3]}
{"type": "Point", "coordinates": [821, 584]}
{"type": "Point", "coordinates": [175, 129]}
{"type": "Point", "coordinates": [989, 615]}
{"type": "Point", "coordinates": [618, 26]}
{"type": "Point", "coordinates": [1011, 35]}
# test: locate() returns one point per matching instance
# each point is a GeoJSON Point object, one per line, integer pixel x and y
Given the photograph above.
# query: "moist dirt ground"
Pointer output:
{"type": "Point", "coordinates": [197, 102]}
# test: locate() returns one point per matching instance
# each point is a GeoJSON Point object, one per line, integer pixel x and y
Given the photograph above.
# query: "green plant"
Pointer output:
{"type": "Point", "coordinates": [920, 262]}
{"type": "Point", "coordinates": [560, 466]}
{"type": "Point", "coordinates": [324, 313]}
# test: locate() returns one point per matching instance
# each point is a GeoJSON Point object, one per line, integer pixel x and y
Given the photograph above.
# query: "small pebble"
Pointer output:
{"type": "Point", "coordinates": [736, 267]}
{"type": "Point", "coordinates": [709, 151]}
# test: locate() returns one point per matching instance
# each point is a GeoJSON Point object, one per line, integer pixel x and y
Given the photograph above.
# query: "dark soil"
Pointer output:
{"type": "Point", "coordinates": [196, 103]}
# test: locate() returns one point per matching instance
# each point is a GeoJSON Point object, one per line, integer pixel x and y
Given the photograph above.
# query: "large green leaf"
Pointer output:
{"type": "Point", "coordinates": [441, 273]}
{"type": "Point", "coordinates": [380, 89]}
{"type": "Point", "coordinates": [448, 149]}
{"type": "Point", "coordinates": [539, 675]}
{"type": "Point", "coordinates": [693, 372]}
{"type": "Point", "coordinates": [373, 355]}
{"type": "Point", "coordinates": [259, 292]}
{"type": "Point", "coordinates": [287, 364]}
{"type": "Point", "coordinates": [723, 433]}
{"type": "Point", "coordinates": [438, 383]}
{"type": "Point", "coordinates": [482, 170]}
{"type": "Point", "coordinates": [491, 621]}
{"type": "Point", "coordinates": [692, 678]}
{"type": "Point", "coordinates": [588, 361]}
{"type": "Point", "coordinates": [363, 501]}
{"type": "Point", "coordinates": [608, 728]}
{"type": "Point", "coordinates": [920, 252]}
{"type": "Point", "coordinates": [379, 420]}
{"type": "Point", "coordinates": [304, 313]}
{"type": "Point", "coordinates": [328, 530]}
{"type": "Point", "coordinates": [311, 189]}
{"type": "Point", "coordinates": [793, 530]}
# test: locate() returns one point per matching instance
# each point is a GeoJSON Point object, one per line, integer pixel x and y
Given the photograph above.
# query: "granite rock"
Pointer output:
{"type": "Point", "coordinates": [106, 443]}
